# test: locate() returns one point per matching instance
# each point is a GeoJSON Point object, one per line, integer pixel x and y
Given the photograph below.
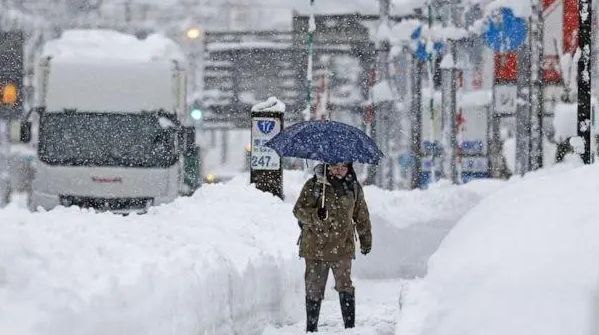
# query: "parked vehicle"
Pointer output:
{"type": "Point", "coordinates": [113, 131]}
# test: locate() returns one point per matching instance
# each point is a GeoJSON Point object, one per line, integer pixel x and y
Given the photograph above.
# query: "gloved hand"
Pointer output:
{"type": "Point", "coordinates": [365, 251]}
{"type": "Point", "coordinates": [322, 213]}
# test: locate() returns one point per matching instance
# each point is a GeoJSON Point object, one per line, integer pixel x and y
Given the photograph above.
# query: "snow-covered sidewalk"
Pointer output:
{"type": "Point", "coordinates": [377, 308]}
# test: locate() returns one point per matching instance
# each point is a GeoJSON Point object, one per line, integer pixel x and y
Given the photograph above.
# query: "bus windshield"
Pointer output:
{"type": "Point", "coordinates": [106, 139]}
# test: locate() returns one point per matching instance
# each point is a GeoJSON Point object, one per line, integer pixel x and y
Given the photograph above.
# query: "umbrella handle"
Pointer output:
{"type": "Point", "coordinates": [324, 185]}
{"type": "Point", "coordinates": [323, 193]}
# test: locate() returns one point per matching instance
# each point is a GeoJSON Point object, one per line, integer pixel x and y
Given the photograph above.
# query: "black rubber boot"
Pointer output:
{"type": "Point", "coordinates": [348, 308]}
{"type": "Point", "coordinates": [312, 313]}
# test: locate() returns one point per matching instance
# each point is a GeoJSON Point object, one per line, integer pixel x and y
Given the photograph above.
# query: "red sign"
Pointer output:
{"type": "Point", "coordinates": [506, 67]}
{"type": "Point", "coordinates": [570, 26]}
{"type": "Point", "coordinates": [560, 31]}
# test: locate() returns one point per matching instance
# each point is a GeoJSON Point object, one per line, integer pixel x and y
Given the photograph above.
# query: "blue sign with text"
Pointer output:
{"type": "Point", "coordinates": [507, 32]}
{"type": "Point", "coordinates": [266, 126]}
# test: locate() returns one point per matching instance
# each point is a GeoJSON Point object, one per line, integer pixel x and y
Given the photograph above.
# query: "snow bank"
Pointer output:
{"type": "Point", "coordinates": [223, 261]}
{"type": "Point", "coordinates": [220, 262]}
{"type": "Point", "coordinates": [522, 262]}
{"type": "Point", "coordinates": [106, 45]}
{"type": "Point", "coordinates": [408, 226]}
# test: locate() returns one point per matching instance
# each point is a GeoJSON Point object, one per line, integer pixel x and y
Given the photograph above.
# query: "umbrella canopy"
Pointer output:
{"type": "Point", "coordinates": [326, 141]}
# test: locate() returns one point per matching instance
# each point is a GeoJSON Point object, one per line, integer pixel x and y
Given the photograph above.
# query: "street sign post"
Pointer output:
{"type": "Point", "coordinates": [584, 79]}
{"type": "Point", "coordinates": [266, 170]}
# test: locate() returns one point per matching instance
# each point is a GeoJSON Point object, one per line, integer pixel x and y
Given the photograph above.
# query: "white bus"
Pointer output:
{"type": "Point", "coordinates": [113, 131]}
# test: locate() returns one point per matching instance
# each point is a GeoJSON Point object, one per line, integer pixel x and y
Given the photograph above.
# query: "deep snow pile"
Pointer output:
{"type": "Point", "coordinates": [525, 261]}
{"type": "Point", "coordinates": [215, 263]}
{"type": "Point", "coordinates": [223, 261]}
{"type": "Point", "coordinates": [408, 226]}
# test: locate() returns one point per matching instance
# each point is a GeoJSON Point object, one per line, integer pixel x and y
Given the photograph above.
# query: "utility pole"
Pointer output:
{"type": "Point", "coordinates": [383, 106]}
{"type": "Point", "coordinates": [536, 86]}
{"type": "Point", "coordinates": [4, 166]}
{"type": "Point", "coordinates": [523, 117]}
{"type": "Point", "coordinates": [584, 78]}
{"type": "Point", "coordinates": [449, 72]}
{"type": "Point", "coordinates": [308, 112]}
{"type": "Point", "coordinates": [431, 103]}
{"type": "Point", "coordinates": [449, 107]}
{"type": "Point", "coordinates": [416, 121]}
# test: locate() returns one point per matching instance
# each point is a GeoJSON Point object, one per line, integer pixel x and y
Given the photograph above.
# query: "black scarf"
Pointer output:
{"type": "Point", "coordinates": [344, 186]}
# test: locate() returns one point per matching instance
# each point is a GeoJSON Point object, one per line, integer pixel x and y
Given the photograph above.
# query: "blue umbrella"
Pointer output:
{"type": "Point", "coordinates": [327, 141]}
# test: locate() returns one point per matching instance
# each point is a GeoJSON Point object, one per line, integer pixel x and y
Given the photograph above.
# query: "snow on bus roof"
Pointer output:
{"type": "Point", "coordinates": [93, 44]}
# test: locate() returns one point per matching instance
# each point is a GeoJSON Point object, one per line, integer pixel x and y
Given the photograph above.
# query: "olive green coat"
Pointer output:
{"type": "Point", "coordinates": [332, 239]}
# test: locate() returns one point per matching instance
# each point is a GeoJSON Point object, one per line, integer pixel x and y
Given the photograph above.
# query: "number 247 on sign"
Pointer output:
{"type": "Point", "coordinates": [262, 161]}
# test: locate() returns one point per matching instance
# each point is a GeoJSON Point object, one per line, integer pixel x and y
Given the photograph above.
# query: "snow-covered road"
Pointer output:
{"type": "Point", "coordinates": [377, 308]}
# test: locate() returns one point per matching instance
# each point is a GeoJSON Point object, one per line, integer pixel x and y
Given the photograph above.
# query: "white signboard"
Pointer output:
{"type": "Point", "coordinates": [505, 99]}
{"type": "Point", "coordinates": [263, 129]}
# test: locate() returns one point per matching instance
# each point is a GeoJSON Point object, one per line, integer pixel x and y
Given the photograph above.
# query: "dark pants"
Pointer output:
{"type": "Point", "coordinates": [317, 273]}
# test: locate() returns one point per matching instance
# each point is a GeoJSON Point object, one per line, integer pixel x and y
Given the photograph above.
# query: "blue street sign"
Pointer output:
{"type": "Point", "coordinates": [266, 126]}
{"type": "Point", "coordinates": [420, 47]}
{"type": "Point", "coordinates": [506, 34]}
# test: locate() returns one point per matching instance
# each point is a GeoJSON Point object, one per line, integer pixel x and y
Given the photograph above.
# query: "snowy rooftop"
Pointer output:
{"type": "Point", "coordinates": [246, 46]}
{"type": "Point", "coordinates": [111, 45]}
{"type": "Point", "coordinates": [366, 7]}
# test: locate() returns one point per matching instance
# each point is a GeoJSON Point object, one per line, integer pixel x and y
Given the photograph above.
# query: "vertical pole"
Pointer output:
{"type": "Point", "coordinates": [372, 169]}
{"type": "Point", "coordinates": [494, 161]}
{"type": "Point", "coordinates": [431, 102]}
{"type": "Point", "coordinates": [308, 112]}
{"type": "Point", "coordinates": [449, 106]}
{"type": "Point", "coordinates": [523, 111]}
{"type": "Point", "coordinates": [11, 106]}
{"type": "Point", "coordinates": [382, 116]}
{"type": "Point", "coordinates": [416, 121]}
{"type": "Point", "coordinates": [497, 166]}
{"type": "Point", "coordinates": [584, 78]}
{"type": "Point", "coordinates": [224, 145]}
{"type": "Point", "coordinates": [536, 86]}
{"type": "Point", "coordinates": [4, 167]}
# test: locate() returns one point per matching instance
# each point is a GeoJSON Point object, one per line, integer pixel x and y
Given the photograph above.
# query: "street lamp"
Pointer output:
{"type": "Point", "coordinates": [193, 33]}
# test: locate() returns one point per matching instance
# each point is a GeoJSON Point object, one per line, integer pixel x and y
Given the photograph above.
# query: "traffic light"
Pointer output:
{"type": "Point", "coordinates": [196, 114]}
{"type": "Point", "coordinates": [11, 74]}
{"type": "Point", "coordinates": [9, 94]}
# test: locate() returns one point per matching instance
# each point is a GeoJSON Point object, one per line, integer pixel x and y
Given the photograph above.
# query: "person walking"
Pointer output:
{"type": "Point", "coordinates": [330, 209]}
